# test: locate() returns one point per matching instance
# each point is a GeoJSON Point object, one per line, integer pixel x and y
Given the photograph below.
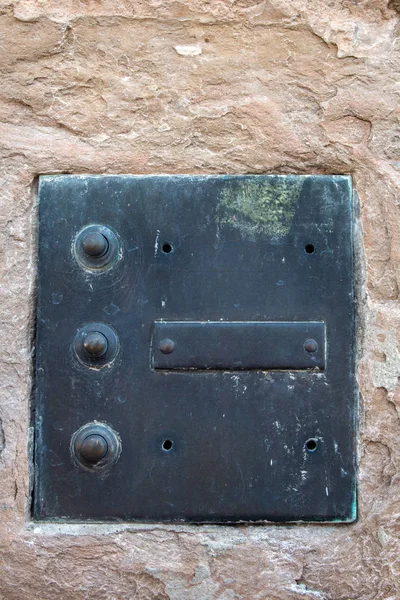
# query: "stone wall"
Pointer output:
{"type": "Point", "coordinates": [217, 86]}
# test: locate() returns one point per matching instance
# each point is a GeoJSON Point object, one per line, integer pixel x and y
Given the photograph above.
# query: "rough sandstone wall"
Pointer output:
{"type": "Point", "coordinates": [218, 86]}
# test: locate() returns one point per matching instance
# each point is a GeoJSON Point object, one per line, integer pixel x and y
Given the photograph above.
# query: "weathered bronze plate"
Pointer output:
{"type": "Point", "coordinates": [195, 349]}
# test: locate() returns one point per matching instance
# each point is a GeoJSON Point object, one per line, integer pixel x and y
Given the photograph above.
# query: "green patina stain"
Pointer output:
{"type": "Point", "coordinates": [264, 205]}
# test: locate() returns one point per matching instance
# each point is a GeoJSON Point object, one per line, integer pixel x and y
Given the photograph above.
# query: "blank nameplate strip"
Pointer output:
{"type": "Point", "coordinates": [239, 345]}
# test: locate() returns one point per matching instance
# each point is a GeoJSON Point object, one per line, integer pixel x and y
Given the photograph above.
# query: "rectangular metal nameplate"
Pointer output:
{"type": "Point", "coordinates": [236, 346]}
{"type": "Point", "coordinates": [195, 349]}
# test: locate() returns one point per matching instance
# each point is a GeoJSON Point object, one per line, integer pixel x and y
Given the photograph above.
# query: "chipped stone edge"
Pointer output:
{"type": "Point", "coordinates": [361, 308]}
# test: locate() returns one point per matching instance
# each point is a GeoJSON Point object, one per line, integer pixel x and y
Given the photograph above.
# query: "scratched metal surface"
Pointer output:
{"type": "Point", "coordinates": [239, 437]}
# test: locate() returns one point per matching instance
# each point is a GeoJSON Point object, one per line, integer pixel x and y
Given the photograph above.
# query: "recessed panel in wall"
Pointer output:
{"type": "Point", "coordinates": [195, 349]}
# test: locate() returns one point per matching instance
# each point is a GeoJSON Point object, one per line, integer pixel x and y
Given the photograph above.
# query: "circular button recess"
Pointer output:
{"type": "Point", "coordinates": [96, 247]}
{"type": "Point", "coordinates": [95, 446]}
{"type": "Point", "coordinates": [96, 345]}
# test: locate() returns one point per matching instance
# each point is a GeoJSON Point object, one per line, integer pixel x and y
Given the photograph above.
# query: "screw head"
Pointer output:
{"type": "Point", "coordinates": [95, 244]}
{"type": "Point", "coordinates": [94, 448]}
{"type": "Point", "coordinates": [167, 346]}
{"type": "Point", "coordinates": [95, 344]}
{"type": "Point", "coordinates": [310, 345]}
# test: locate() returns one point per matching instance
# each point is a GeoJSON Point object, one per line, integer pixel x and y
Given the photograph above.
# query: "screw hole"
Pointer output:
{"type": "Point", "coordinates": [311, 445]}
{"type": "Point", "coordinates": [309, 248]}
{"type": "Point", "coordinates": [167, 248]}
{"type": "Point", "coordinates": [167, 445]}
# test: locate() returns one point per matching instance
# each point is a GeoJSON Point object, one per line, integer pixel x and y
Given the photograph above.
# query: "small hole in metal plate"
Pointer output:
{"type": "Point", "coordinates": [311, 445]}
{"type": "Point", "coordinates": [167, 248]}
{"type": "Point", "coordinates": [167, 445]}
{"type": "Point", "coordinates": [309, 248]}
